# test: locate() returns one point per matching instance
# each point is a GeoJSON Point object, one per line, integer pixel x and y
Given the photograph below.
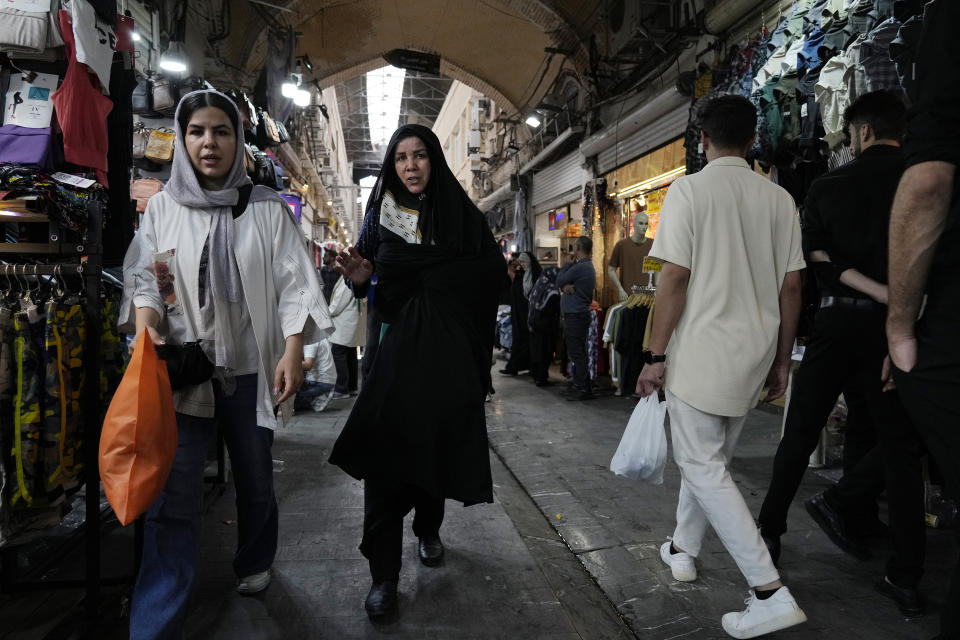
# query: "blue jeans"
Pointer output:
{"type": "Point", "coordinates": [172, 528]}
{"type": "Point", "coordinates": [576, 326]}
{"type": "Point", "coordinates": [310, 391]}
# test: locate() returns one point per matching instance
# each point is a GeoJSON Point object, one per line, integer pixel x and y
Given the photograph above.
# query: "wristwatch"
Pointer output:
{"type": "Point", "coordinates": [649, 357]}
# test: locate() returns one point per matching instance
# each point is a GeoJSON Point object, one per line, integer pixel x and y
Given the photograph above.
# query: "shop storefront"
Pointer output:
{"type": "Point", "coordinates": [641, 186]}
{"type": "Point", "coordinates": [557, 208]}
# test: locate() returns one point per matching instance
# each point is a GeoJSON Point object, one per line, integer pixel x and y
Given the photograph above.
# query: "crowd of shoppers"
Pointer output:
{"type": "Point", "coordinates": [878, 234]}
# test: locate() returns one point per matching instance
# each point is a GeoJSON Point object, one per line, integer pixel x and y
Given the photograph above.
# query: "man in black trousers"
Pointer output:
{"type": "Point", "coordinates": [845, 230]}
{"type": "Point", "coordinates": [925, 259]}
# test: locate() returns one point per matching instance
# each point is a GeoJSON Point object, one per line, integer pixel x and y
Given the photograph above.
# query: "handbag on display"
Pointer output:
{"type": "Point", "coordinates": [282, 132]}
{"type": "Point", "coordinates": [140, 137]}
{"type": "Point", "coordinates": [267, 133]}
{"type": "Point", "coordinates": [249, 160]}
{"type": "Point", "coordinates": [165, 95]}
{"type": "Point", "coordinates": [264, 172]}
{"type": "Point", "coordinates": [143, 97]}
{"type": "Point", "coordinates": [160, 145]}
{"type": "Point", "coordinates": [142, 190]}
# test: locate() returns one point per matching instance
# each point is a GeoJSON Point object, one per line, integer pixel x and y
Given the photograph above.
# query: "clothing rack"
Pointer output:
{"type": "Point", "coordinates": [87, 264]}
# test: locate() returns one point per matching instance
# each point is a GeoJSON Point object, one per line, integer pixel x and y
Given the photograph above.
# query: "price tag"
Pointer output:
{"type": "Point", "coordinates": [75, 181]}
{"type": "Point", "coordinates": [652, 265]}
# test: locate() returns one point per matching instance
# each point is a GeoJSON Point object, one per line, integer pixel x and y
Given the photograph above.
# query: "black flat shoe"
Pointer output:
{"type": "Point", "coordinates": [544, 383]}
{"type": "Point", "coordinates": [832, 524]}
{"type": "Point", "coordinates": [908, 600]}
{"type": "Point", "coordinates": [509, 372]}
{"type": "Point", "coordinates": [430, 550]}
{"type": "Point", "coordinates": [382, 599]}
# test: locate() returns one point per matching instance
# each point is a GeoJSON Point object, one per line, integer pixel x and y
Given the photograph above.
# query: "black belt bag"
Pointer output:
{"type": "Point", "coordinates": [187, 364]}
{"type": "Point", "coordinates": [862, 304]}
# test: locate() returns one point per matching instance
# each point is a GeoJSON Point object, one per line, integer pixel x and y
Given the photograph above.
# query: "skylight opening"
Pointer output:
{"type": "Point", "coordinates": [384, 94]}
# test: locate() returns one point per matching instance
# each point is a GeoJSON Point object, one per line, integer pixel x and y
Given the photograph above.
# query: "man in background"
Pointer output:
{"type": "Point", "coordinates": [577, 279]}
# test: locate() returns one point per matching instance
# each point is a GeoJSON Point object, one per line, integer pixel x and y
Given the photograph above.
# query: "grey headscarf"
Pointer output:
{"type": "Point", "coordinates": [225, 290]}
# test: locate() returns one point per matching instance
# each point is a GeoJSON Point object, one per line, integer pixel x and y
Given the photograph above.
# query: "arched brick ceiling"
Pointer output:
{"type": "Point", "coordinates": [495, 46]}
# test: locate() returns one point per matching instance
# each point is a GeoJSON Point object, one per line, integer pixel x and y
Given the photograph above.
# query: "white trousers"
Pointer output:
{"type": "Point", "coordinates": [703, 446]}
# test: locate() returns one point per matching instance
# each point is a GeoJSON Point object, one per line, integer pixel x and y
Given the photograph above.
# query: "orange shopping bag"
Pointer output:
{"type": "Point", "coordinates": [139, 437]}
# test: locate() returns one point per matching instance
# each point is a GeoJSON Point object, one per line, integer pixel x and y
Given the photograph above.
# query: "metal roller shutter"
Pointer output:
{"type": "Point", "coordinates": [664, 129]}
{"type": "Point", "coordinates": [563, 176]}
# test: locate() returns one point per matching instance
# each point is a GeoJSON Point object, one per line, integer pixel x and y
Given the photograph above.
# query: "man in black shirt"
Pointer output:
{"type": "Point", "coordinates": [845, 228]}
{"type": "Point", "coordinates": [925, 259]}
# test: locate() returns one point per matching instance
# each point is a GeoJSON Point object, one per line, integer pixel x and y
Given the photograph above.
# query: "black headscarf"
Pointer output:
{"type": "Point", "coordinates": [447, 213]}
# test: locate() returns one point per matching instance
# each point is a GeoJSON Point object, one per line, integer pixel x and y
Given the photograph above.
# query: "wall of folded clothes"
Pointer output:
{"type": "Point", "coordinates": [803, 73]}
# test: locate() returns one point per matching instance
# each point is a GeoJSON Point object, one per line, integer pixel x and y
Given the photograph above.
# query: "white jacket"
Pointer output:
{"type": "Point", "coordinates": [349, 319]}
{"type": "Point", "coordinates": [282, 290]}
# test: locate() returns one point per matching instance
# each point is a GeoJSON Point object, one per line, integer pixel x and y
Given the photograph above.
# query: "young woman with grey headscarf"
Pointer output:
{"type": "Point", "coordinates": [239, 280]}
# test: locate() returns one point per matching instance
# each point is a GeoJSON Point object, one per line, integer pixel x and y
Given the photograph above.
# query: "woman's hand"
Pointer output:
{"type": "Point", "coordinates": [154, 336]}
{"type": "Point", "coordinates": [353, 266]}
{"type": "Point", "coordinates": [289, 374]}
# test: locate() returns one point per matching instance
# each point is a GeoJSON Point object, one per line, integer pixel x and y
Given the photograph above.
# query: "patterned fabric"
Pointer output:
{"type": "Point", "coordinates": [593, 345]}
{"type": "Point", "coordinates": [879, 70]}
{"type": "Point", "coordinates": [113, 353]}
{"type": "Point", "coordinates": [63, 358]}
{"type": "Point", "coordinates": [861, 16]}
{"type": "Point", "coordinates": [29, 488]}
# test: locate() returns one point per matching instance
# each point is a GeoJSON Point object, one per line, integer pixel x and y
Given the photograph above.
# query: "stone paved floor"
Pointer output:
{"type": "Point", "coordinates": [560, 452]}
{"type": "Point", "coordinates": [567, 551]}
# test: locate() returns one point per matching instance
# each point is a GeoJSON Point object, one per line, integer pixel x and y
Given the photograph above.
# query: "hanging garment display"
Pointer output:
{"type": "Point", "coordinates": [82, 112]}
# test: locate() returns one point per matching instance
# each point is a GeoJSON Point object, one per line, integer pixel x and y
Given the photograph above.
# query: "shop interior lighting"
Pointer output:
{"type": "Point", "coordinates": [512, 148]}
{"type": "Point", "coordinates": [329, 203]}
{"type": "Point", "coordinates": [533, 120]}
{"type": "Point", "coordinates": [301, 98]}
{"type": "Point", "coordinates": [136, 36]}
{"type": "Point", "coordinates": [646, 185]}
{"type": "Point", "coordinates": [174, 59]}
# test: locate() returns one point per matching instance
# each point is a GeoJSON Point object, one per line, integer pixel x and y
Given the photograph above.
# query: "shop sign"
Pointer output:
{"type": "Point", "coordinates": [557, 218]}
{"type": "Point", "coordinates": [651, 265]}
{"type": "Point", "coordinates": [293, 201]}
{"type": "Point", "coordinates": [414, 60]}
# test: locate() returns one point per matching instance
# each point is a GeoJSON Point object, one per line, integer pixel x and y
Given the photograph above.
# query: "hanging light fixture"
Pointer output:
{"type": "Point", "coordinates": [301, 98]}
{"type": "Point", "coordinates": [533, 120]}
{"type": "Point", "coordinates": [289, 88]}
{"type": "Point", "coordinates": [174, 59]}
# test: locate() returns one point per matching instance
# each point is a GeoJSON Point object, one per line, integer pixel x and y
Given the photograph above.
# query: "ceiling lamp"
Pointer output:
{"type": "Point", "coordinates": [533, 120]}
{"type": "Point", "coordinates": [174, 58]}
{"type": "Point", "coordinates": [301, 98]}
{"type": "Point", "coordinates": [512, 148]}
{"type": "Point", "coordinates": [136, 36]}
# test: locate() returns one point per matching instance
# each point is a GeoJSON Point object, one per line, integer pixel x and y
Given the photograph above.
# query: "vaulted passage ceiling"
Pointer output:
{"type": "Point", "coordinates": [495, 46]}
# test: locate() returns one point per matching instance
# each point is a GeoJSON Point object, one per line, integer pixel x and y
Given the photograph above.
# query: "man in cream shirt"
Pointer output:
{"type": "Point", "coordinates": [727, 309]}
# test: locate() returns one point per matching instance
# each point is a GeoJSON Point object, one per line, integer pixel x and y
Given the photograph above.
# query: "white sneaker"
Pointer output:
{"type": "Point", "coordinates": [681, 564]}
{"type": "Point", "coordinates": [254, 584]}
{"type": "Point", "coordinates": [320, 402]}
{"type": "Point", "coordinates": [779, 611]}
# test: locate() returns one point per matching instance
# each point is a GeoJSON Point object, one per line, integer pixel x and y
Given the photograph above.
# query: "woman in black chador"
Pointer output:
{"type": "Point", "coordinates": [417, 434]}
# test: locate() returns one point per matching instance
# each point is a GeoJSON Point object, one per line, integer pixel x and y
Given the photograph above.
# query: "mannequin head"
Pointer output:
{"type": "Point", "coordinates": [640, 224]}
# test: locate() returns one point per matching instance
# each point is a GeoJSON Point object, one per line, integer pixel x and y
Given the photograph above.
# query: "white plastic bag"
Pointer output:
{"type": "Point", "coordinates": [642, 453]}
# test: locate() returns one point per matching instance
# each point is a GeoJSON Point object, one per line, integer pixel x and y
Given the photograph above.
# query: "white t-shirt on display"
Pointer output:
{"type": "Point", "coordinates": [324, 369]}
{"type": "Point", "coordinates": [739, 235]}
